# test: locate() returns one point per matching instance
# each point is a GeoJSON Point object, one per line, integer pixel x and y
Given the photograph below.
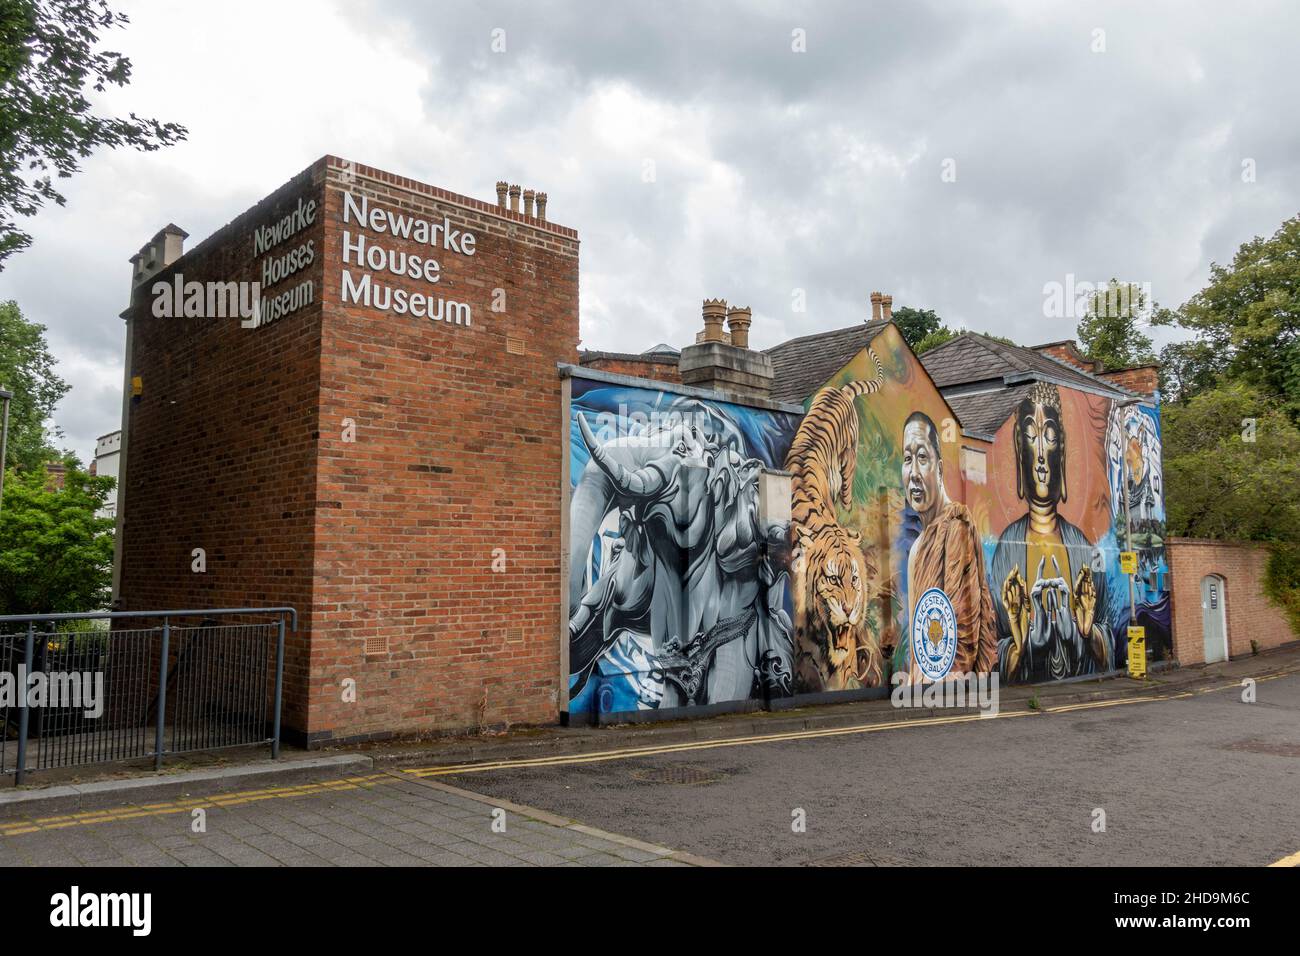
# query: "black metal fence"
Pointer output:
{"type": "Point", "coordinates": [91, 688]}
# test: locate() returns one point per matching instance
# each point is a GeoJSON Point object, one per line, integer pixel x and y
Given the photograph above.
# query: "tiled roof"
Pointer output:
{"type": "Point", "coordinates": [803, 365]}
{"type": "Point", "coordinates": [971, 357]}
{"type": "Point", "coordinates": [984, 412]}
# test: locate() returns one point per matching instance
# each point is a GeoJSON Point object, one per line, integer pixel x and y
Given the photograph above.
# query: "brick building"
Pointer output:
{"type": "Point", "coordinates": [373, 447]}
{"type": "Point", "coordinates": [481, 525]}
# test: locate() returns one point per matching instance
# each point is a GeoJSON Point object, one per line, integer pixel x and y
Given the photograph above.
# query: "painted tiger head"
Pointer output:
{"type": "Point", "coordinates": [836, 575]}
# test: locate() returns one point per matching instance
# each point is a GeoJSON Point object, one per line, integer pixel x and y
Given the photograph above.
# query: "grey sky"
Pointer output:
{"type": "Point", "coordinates": [774, 170]}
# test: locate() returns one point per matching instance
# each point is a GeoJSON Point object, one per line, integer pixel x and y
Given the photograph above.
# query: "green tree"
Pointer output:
{"type": "Point", "coordinates": [56, 555]}
{"type": "Point", "coordinates": [1246, 322]}
{"type": "Point", "coordinates": [27, 370]}
{"type": "Point", "coordinates": [915, 324]}
{"type": "Point", "coordinates": [1232, 466]}
{"type": "Point", "coordinates": [934, 339]}
{"type": "Point", "coordinates": [1232, 470]}
{"type": "Point", "coordinates": [49, 60]}
{"type": "Point", "coordinates": [1108, 331]}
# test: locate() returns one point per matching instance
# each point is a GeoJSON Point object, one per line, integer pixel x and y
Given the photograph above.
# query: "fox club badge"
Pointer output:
{"type": "Point", "coordinates": [934, 635]}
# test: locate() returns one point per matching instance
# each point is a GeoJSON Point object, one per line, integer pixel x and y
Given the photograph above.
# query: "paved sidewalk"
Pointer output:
{"type": "Point", "coordinates": [375, 820]}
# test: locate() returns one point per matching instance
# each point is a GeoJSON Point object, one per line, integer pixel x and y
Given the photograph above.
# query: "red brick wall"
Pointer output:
{"type": "Point", "coordinates": [1066, 352]}
{"type": "Point", "coordinates": [237, 446]}
{"type": "Point", "coordinates": [456, 455]}
{"type": "Point", "coordinates": [659, 371]}
{"type": "Point", "coordinates": [1250, 615]}
{"type": "Point", "coordinates": [220, 446]}
{"type": "Point", "coordinates": [1143, 379]}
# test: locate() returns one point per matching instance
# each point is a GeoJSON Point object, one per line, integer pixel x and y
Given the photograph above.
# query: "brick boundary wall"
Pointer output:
{"type": "Point", "coordinates": [1250, 615]}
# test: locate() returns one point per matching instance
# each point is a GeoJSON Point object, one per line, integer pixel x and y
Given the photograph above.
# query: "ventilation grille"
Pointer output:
{"type": "Point", "coordinates": [376, 645]}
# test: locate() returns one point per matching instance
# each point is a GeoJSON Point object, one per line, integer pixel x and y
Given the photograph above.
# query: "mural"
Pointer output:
{"type": "Point", "coordinates": [1048, 576]}
{"type": "Point", "coordinates": [894, 561]}
{"type": "Point", "coordinates": [1073, 460]}
{"type": "Point", "coordinates": [904, 565]}
{"type": "Point", "coordinates": [678, 585]}
{"type": "Point", "coordinates": [1136, 480]}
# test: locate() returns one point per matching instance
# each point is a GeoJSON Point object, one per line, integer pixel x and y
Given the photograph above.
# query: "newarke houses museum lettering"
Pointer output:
{"type": "Point", "coordinates": [370, 287]}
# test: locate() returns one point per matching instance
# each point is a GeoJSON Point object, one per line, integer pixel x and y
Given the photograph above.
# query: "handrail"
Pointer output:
{"type": "Point", "coordinates": [101, 615]}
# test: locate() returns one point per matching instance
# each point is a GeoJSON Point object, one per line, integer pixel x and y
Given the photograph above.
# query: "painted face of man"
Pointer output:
{"type": "Point", "coordinates": [1042, 452]}
{"type": "Point", "coordinates": [922, 470]}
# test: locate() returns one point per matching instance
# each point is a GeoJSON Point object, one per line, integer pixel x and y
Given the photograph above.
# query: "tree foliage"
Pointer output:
{"type": "Point", "coordinates": [915, 324]}
{"type": "Point", "coordinates": [56, 555]}
{"type": "Point", "coordinates": [1232, 466]}
{"type": "Point", "coordinates": [1246, 323]}
{"type": "Point", "coordinates": [1238, 378]}
{"type": "Point", "coordinates": [27, 370]}
{"type": "Point", "coordinates": [1109, 330]}
{"type": "Point", "coordinates": [50, 61]}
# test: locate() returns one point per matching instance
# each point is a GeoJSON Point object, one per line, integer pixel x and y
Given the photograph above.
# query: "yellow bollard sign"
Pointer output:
{"type": "Point", "coordinates": [1128, 562]}
{"type": "Point", "coordinates": [1137, 652]}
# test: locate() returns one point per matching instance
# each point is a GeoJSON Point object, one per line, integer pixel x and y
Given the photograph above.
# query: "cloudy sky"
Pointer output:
{"type": "Point", "coordinates": [1087, 139]}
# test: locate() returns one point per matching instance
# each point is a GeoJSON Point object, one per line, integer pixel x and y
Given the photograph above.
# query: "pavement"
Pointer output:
{"type": "Point", "coordinates": [1183, 771]}
{"type": "Point", "coordinates": [378, 819]}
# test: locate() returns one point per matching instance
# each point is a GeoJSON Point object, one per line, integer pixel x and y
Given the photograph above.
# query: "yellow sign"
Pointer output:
{"type": "Point", "coordinates": [1137, 652]}
{"type": "Point", "coordinates": [1128, 562]}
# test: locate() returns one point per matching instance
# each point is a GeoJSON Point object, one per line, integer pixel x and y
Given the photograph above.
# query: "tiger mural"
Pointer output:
{"type": "Point", "coordinates": [833, 578]}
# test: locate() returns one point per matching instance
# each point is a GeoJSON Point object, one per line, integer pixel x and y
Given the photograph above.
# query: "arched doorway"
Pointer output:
{"type": "Point", "coordinates": [1214, 620]}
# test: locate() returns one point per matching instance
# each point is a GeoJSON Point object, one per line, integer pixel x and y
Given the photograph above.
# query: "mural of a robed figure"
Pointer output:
{"type": "Point", "coordinates": [1048, 580]}
{"type": "Point", "coordinates": [947, 555]}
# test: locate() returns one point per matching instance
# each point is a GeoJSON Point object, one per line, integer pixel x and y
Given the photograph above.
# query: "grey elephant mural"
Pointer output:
{"type": "Point", "coordinates": [678, 592]}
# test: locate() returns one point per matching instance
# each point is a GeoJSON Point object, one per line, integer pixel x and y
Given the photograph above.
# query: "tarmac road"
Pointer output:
{"type": "Point", "coordinates": [1203, 780]}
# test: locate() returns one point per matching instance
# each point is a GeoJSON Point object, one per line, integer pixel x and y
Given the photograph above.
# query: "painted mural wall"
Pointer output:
{"type": "Point", "coordinates": [901, 563]}
{"type": "Point", "coordinates": [678, 583]}
{"type": "Point", "coordinates": [1069, 475]}
{"type": "Point", "coordinates": [879, 527]}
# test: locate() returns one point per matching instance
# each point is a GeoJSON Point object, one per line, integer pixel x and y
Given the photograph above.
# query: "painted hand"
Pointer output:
{"type": "Point", "coordinates": [1015, 599]}
{"type": "Point", "coordinates": [1085, 601]}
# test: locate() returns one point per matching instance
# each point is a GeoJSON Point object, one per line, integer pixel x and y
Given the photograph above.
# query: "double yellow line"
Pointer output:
{"type": "Point", "coordinates": [87, 817]}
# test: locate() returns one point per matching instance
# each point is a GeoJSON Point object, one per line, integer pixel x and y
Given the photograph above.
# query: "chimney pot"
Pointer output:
{"type": "Point", "coordinates": [875, 306]}
{"type": "Point", "coordinates": [502, 186]}
{"type": "Point", "coordinates": [887, 302]}
{"type": "Point", "coordinates": [514, 197]}
{"type": "Point", "coordinates": [715, 313]}
{"type": "Point", "coordinates": [739, 319]}
{"type": "Point", "coordinates": [541, 206]}
{"type": "Point", "coordinates": [528, 202]}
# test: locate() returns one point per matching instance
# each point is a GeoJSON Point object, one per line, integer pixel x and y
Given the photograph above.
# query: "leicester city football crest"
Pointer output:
{"type": "Point", "coordinates": [934, 635]}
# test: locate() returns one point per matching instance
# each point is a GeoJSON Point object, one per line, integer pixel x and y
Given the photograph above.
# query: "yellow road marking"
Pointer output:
{"type": "Point", "coordinates": [1292, 860]}
{"type": "Point", "coordinates": [240, 798]}
{"type": "Point", "coordinates": [601, 756]}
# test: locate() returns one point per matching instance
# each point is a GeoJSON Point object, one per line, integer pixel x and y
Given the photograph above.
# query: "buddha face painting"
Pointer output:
{"type": "Point", "coordinates": [1040, 446]}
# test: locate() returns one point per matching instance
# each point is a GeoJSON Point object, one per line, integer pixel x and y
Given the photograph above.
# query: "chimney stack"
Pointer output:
{"type": "Point", "coordinates": [502, 186]}
{"type": "Point", "coordinates": [541, 206]}
{"type": "Point", "coordinates": [722, 361]}
{"type": "Point", "coordinates": [167, 245]}
{"type": "Point", "coordinates": [514, 197]}
{"type": "Point", "coordinates": [739, 319]}
{"type": "Point", "coordinates": [888, 303]}
{"type": "Point", "coordinates": [528, 202]}
{"type": "Point", "coordinates": [876, 298]}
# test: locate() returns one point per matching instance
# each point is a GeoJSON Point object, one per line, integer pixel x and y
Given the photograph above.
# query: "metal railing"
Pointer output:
{"type": "Point", "coordinates": [75, 691]}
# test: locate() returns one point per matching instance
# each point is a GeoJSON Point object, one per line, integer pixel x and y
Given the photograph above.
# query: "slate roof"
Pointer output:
{"type": "Point", "coordinates": [971, 357]}
{"type": "Point", "coordinates": [803, 365]}
{"type": "Point", "coordinates": [984, 412]}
